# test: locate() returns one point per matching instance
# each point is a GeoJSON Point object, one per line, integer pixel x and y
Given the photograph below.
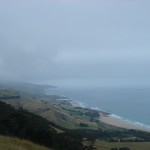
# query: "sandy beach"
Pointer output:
{"type": "Point", "coordinates": [110, 120]}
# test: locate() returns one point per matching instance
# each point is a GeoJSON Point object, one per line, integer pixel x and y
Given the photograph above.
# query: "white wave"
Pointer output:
{"type": "Point", "coordinates": [83, 105]}
{"type": "Point", "coordinates": [116, 116]}
{"type": "Point", "coordinates": [94, 108]}
{"type": "Point", "coordinates": [78, 104]}
{"type": "Point", "coordinates": [142, 125]}
{"type": "Point", "coordinates": [130, 122]}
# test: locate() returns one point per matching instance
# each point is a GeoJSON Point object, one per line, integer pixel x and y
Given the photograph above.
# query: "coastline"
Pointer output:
{"type": "Point", "coordinates": [109, 118]}
{"type": "Point", "coordinates": [118, 122]}
{"type": "Point", "coordinates": [114, 120]}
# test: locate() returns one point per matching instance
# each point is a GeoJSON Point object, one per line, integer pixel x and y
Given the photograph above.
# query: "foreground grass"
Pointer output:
{"type": "Point", "coordinates": [132, 145]}
{"type": "Point", "coordinates": [9, 143]}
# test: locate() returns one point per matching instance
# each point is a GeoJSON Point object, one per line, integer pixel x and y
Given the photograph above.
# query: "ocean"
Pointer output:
{"type": "Point", "coordinates": [130, 104]}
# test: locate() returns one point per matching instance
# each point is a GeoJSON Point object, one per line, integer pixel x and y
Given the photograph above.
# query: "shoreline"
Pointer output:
{"type": "Point", "coordinates": [109, 118]}
{"type": "Point", "coordinates": [114, 120]}
{"type": "Point", "coordinates": [119, 122]}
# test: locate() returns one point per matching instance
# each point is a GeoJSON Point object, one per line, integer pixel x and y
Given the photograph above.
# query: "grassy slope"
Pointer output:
{"type": "Point", "coordinates": [9, 143]}
{"type": "Point", "coordinates": [132, 145]}
{"type": "Point", "coordinates": [25, 125]}
{"type": "Point", "coordinates": [59, 112]}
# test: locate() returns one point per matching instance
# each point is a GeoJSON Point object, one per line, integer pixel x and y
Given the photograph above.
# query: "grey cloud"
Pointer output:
{"type": "Point", "coordinates": [49, 40]}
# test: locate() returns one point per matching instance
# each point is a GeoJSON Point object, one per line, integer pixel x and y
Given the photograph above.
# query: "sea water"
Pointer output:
{"type": "Point", "coordinates": [130, 104]}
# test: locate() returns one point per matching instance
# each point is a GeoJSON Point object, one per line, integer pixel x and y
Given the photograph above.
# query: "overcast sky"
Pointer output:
{"type": "Point", "coordinates": [80, 41]}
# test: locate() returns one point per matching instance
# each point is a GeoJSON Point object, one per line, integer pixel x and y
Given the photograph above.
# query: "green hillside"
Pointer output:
{"type": "Point", "coordinates": [10, 143]}
{"type": "Point", "coordinates": [58, 124]}
{"type": "Point", "coordinates": [23, 124]}
{"type": "Point", "coordinates": [60, 112]}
